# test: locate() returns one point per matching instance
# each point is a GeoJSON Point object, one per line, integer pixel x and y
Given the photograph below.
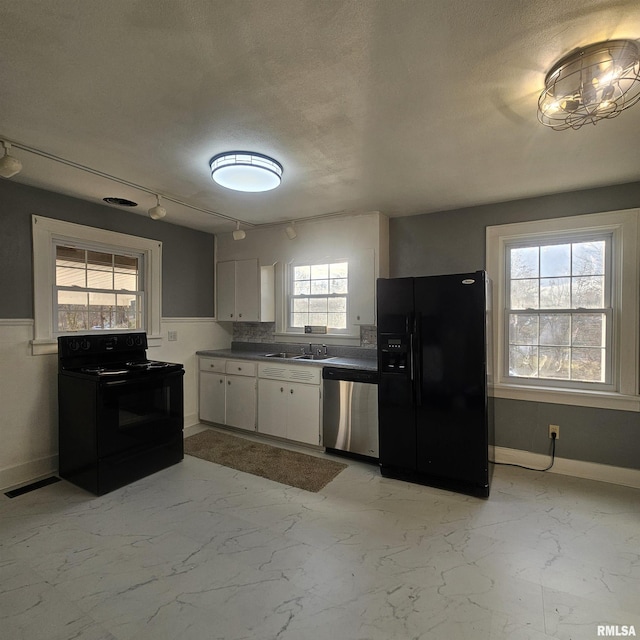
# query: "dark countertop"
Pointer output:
{"type": "Point", "coordinates": [257, 352]}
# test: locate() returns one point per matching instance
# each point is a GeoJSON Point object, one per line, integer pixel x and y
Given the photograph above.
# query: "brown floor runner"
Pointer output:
{"type": "Point", "coordinates": [281, 465]}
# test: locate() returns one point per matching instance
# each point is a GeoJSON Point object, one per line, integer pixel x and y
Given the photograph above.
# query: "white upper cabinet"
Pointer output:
{"type": "Point", "coordinates": [245, 291]}
{"type": "Point", "coordinates": [362, 287]}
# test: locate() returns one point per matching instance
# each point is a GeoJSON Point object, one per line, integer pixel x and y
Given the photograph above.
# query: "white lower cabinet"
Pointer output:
{"type": "Point", "coordinates": [212, 393]}
{"type": "Point", "coordinates": [228, 392]}
{"type": "Point", "coordinates": [284, 400]}
{"type": "Point", "coordinates": [241, 403]}
{"type": "Point", "coordinates": [288, 408]}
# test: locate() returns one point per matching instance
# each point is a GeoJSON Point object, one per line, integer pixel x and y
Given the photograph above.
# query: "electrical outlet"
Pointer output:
{"type": "Point", "coordinates": [172, 336]}
{"type": "Point", "coordinates": [554, 428]}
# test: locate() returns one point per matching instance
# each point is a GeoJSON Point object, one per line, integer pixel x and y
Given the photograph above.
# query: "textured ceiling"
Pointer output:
{"type": "Point", "coordinates": [403, 107]}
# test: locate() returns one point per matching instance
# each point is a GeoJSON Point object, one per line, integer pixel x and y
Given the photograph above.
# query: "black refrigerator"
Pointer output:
{"type": "Point", "coordinates": [435, 420]}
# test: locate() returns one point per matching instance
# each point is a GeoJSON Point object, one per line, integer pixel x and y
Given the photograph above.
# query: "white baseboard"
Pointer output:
{"type": "Point", "coordinates": [577, 468]}
{"type": "Point", "coordinates": [28, 472]}
{"type": "Point", "coordinates": [191, 420]}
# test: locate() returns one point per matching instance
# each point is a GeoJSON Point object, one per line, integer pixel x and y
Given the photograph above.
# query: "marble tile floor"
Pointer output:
{"type": "Point", "coordinates": [202, 552]}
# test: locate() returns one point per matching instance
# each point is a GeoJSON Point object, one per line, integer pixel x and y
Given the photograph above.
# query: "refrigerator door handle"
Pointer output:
{"type": "Point", "coordinates": [416, 359]}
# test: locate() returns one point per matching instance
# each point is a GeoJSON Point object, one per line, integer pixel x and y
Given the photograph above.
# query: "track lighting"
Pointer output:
{"type": "Point", "coordinates": [9, 166]}
{"type": "Point", "coordinates": [239, 234]}
{"type": "Point", "coordinates": [157, 212]}
{"type": "Point", "coordinates": [290, 231]}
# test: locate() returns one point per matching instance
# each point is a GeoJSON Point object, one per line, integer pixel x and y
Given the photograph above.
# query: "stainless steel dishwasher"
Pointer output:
{"type": "Point", "coordinates": [350, 412]}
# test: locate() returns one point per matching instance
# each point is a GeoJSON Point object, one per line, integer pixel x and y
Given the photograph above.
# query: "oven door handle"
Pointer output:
{"type": "Point", "coordinates": [116, 383]}
{"type": "Point", "coordinates": [142, 379]}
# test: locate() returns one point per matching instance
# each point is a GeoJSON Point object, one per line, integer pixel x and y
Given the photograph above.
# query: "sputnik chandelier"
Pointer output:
{"type": "Point", "coordinates": [590, 84]}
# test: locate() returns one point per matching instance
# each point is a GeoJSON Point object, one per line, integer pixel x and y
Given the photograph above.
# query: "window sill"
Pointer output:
{"type": "Point", "coordinates": [575, 397]}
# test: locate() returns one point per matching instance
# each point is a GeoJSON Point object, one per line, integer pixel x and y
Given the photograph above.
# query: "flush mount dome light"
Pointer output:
{"type": "Point", "coordinates": [596, 82]}
{"type": "Point", "coordinates": [245, 171]}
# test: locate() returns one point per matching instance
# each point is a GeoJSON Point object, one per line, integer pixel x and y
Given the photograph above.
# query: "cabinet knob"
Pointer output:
{"type": "Point", "coordinates": [239, 368]}
{"type": "Point", "coordinates": [239, 315]}
{"type": "Point", "coordinates": [358, 317]}
{"type": "Point", "coordinates": [290, 390]}
{"type": "Point", "coordinates": [229, 382]}
{"type": "Point", "coordinates": [221, 381]}
{"type": "Point", "coordinates": [281, 389]}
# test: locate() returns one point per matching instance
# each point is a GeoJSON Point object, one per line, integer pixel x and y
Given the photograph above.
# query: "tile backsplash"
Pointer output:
{"type": "Point", "coordinates": [264, 332]}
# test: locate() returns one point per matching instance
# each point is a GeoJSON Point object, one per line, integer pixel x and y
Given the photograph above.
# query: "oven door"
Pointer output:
{"type": "Point", "coordinates": [138, 413]}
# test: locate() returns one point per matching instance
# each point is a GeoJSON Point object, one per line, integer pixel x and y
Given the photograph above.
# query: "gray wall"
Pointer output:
{"type": "Point", "coordinates": [187, 255]}
{"type": "Point", "coordinates": [454, 242]}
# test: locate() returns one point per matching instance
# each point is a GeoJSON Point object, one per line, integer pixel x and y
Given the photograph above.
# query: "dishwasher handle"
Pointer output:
{"type": "Point", "coordinates": [351, 375]}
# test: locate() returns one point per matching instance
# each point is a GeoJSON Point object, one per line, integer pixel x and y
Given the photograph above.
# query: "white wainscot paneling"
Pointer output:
{"type": "Point", "coordinates": [29, 388]}
{"type": "Point", "coordinates": [29, 407]}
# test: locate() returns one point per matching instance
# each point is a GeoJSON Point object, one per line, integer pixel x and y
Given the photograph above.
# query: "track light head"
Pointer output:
{"type": "Point", "coordinates": [291, 232]}
{"type": "Point", "coordinates": [239, 234]}
{"type": "Point", "coordinates": [9, 166]}
{"type": "Point", "coordinates": [157, 212]}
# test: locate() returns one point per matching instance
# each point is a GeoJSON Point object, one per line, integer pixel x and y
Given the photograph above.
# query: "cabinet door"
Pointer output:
{"type": "Point", "coordinates": [247, 291]}
{"type": "Point", "coordinates": [241, 402]}
{"type": "Point", "coordinates": [226, 290]}
{"type": "Point", "coordinates": [303, 413]}
{"type": "Point", "coordinates": [272, 407]}
{"type": "Point", "coordinates": [212, 397]}
{"type": "Point", "coordinates": [362, 287]}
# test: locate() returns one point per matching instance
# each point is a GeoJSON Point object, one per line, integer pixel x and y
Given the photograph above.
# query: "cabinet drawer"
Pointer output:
{"type": "Point", "coordinates": [215, 365]}
{"type": "Point", "coordinates": [241, 368]}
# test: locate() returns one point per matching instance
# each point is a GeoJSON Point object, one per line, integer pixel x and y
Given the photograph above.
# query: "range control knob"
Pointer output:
{"type": "Point", "coordinates": [138, 341]}
{"type": "Point", "coordinates": [74, 344]}
{"type": "Point", "coordinates": [85, 345]}
{"type": "Point", "coordinates": [130, 341]}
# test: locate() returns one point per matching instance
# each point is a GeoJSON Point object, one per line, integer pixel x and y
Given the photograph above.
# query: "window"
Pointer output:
{"type": "Point", "coordinates": [565, 310]}
{"type": "Point", "coordinates": [559, 310]}
{"type": "Point", "coordinates": [319, 296]}
{"type": "Point", "coordinates": [96, 290]}
{"type": "Point", "coordinates": [89, 279]}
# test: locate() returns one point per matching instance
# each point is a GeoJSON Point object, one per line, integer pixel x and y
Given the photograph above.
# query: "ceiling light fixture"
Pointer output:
{"type": "Point", "coordinates": [157, 212]}
{"type": "Point", "coordinates": [239, 234]}
{"type": "Point", "coordinates": [592, 83]}
{"type": "Point", "coordinates": [290, 231]}
{"type": "Point", "coordinates": [245, 171]}
{"type": "Point", "coordinates": [9, 166]}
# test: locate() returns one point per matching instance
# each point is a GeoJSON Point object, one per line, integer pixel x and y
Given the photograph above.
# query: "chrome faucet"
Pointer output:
{"type": "Point", "coordinates": [320, 350]}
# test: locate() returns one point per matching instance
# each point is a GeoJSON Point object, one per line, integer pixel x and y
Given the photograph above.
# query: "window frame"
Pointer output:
{"type": "Point", "coordinates": [623, 227]}
{"type": "Point", "coordinates": [140, 292]}
{"type": "Point", "coordinates": [608, 310]}
{"type": "Point", "coordinates": [49, 232]}
{"type": "Point", "coordinates": [290, 296]}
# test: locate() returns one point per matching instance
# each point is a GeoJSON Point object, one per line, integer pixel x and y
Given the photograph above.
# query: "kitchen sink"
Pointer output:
{"type": "Point", "coordinates": [282, 354]}
{"type": "Point", "coordinates": [297, 356]}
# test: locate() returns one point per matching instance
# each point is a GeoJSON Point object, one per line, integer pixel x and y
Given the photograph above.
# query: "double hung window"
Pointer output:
{"type": "Point", "coordinates": [97, 289]}
{"type": "Point", "coordinates": [565, 310]}
{"type": "Point", "coordinates": [559, 310]}
{"type": "Point", "coordinates": [90, 279]}
{"type": "Point", "coordinates": [319, 296]}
